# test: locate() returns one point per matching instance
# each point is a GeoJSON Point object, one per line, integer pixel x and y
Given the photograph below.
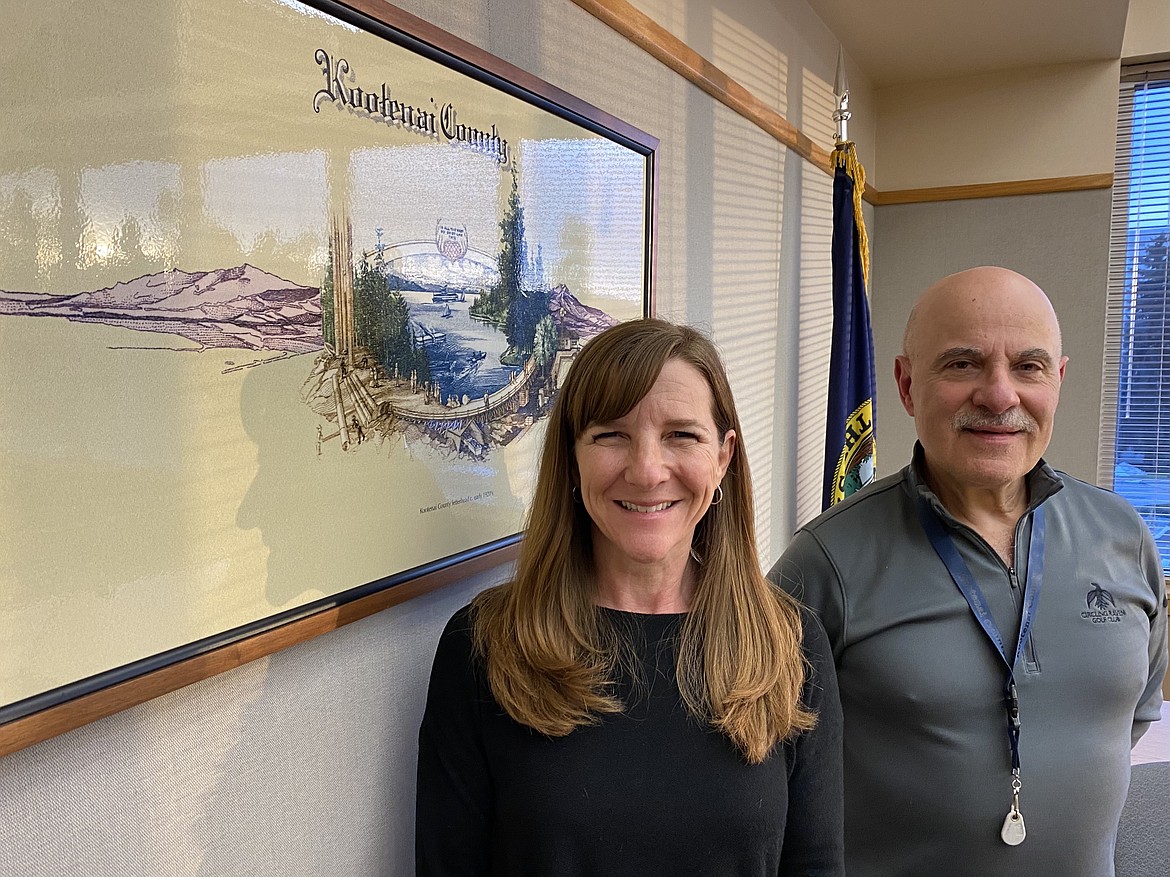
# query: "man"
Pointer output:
{"type": "Point", "coordinates": [918, 575]}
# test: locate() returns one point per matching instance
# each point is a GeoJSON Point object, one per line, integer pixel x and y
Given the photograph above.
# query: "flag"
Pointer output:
{"type": "Point", "coordinates": [849, 433]}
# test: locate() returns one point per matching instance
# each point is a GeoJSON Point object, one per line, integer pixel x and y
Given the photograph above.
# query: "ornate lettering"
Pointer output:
{"type": "Point", "coordinates": [381, 106]}
{"type": "Point", "coordinates": [325, 94]}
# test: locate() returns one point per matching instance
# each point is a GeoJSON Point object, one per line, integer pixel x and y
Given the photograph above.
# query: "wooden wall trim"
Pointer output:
{"type": "Point", "coordinates": [668, 49]}
{"type": "Point", "coordinates": [1045, 186]}
{"type": "Point", "coordinates": [37, 727]}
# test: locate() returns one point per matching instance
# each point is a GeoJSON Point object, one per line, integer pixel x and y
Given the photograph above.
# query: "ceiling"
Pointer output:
{"type": "Point", "coordinates": [900, 41]}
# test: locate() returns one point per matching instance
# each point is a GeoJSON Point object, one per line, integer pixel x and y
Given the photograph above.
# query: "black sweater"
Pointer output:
{"type": "Point", "coordinates": [647, 792]}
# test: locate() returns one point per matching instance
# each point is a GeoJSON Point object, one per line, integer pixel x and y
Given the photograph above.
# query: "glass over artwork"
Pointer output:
{"type": "Point", "coordinates": [284, 304]}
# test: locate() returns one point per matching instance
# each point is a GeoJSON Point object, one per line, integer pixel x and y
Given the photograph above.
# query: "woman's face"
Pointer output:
{"type": "Point", "coordinates": [647, 477]}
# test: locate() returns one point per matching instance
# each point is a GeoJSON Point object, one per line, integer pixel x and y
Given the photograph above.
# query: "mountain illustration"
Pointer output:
{"type": "Point", "coordinates": [242, 307]}
{"type": "Point", "coordinates": [575, 319]}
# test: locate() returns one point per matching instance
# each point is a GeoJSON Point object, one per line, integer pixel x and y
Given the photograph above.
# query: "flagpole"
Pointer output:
{"type": "Point", "coordinates": [841, 114]}
{"type": "Point", "coordinates": [845, 155]}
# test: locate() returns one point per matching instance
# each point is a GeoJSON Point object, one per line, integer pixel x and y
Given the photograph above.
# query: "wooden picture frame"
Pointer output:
{"type": "Point", "coordinates": [288, 324]}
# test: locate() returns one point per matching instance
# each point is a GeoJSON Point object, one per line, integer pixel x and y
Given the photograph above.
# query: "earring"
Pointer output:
{"type": "Point", "coordinates": [717, 497]}
{"type": "Point", "coordinates": [576, 495]}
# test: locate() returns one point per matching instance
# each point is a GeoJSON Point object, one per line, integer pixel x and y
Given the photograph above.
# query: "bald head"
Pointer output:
{"type": "Point", "coordinates": [987, 294]}
{"type": "Point", "coordinates": [981, 376]}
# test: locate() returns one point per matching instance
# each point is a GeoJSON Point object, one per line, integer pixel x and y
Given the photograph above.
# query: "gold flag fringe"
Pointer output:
{"type": "Point", "coordinates": [845, 155]}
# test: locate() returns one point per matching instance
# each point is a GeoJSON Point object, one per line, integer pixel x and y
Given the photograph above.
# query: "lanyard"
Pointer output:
{"type": "Point", "coordinates": [961, 573]}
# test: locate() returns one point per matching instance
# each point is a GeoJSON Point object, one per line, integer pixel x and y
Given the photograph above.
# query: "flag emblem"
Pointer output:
{"type": "Point", "coordinates": [855, 466]}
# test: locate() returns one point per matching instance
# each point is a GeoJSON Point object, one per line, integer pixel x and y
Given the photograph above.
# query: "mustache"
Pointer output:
{"type": "Point", "coordinates": [1015, 419]}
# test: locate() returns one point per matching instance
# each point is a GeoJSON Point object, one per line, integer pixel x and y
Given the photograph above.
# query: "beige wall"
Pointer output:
{"type": "Point", "coordinates": [1147, 30]}
{"type": "Point", "coordinates": [1018, 125]}
{"type": "Point", "coordinates": [1024, 124]}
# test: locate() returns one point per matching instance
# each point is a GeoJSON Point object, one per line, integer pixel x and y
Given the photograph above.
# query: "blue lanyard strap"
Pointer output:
{"type": "Point", "coordinates": [941, 541]}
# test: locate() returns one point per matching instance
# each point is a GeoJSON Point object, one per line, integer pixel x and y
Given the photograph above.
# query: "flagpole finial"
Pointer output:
{"type": "Point", "coordinates": [841, 112]}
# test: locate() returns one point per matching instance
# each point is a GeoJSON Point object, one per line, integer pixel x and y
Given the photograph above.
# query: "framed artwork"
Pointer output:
{"type": "Point", "coordinates": [286, 293]}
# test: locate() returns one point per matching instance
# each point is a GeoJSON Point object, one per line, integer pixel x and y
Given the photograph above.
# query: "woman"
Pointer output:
{"type": "Point", "coordinates": [638, 700]}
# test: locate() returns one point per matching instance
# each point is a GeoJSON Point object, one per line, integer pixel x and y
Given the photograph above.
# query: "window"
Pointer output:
{"type": "Point", "coordinates": [1135, 439]}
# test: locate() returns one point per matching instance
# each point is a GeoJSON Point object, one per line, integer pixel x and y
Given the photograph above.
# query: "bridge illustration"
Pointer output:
{"type": "Point", "coordinates": [356, 406]}
{"type": "Point", "coordinates": [491, 406]}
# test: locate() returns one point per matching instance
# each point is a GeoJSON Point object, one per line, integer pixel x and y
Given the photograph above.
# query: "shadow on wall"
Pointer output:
{"type": "Point", "coordinates": [318, 774]}
{"type": "Point", "coordinates": [330, 518]}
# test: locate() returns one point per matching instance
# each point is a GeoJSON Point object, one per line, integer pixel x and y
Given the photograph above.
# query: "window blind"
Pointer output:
{"type": "Point", "coordinates": [815, 339]}
{"type": "Point", "coordinates": [1134, 455]}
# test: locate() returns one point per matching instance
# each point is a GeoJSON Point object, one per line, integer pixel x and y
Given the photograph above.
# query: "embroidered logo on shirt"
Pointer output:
{"type": "Point", "coordinates": [1101, 607]}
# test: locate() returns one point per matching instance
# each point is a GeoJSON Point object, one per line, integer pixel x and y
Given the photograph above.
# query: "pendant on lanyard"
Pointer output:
{"type": "Point", "coordinates": [1013, 831]}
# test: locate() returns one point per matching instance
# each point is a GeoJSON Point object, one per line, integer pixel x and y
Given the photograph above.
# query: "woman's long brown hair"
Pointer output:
{"type": "Point", "coordinates": [551, 661]}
